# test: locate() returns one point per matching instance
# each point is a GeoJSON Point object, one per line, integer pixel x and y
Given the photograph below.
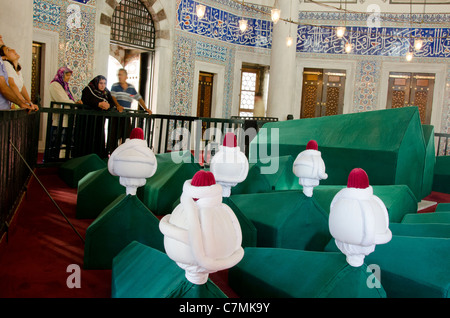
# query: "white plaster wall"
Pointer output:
{"type": "Point", "coordinates": [50, 40]}
{"type": "Point", "coordinates": [162, 79]}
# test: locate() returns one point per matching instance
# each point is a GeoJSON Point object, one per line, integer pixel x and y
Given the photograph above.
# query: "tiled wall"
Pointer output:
{"type": "Point", "coordinates": [217, 39]}
{"type": "Point", "coordinates": [74, 21]}
{"type": "Point", "coordinates": [220, 30]}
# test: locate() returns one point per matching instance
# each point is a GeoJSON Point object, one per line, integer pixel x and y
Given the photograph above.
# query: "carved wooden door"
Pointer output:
{"type": "Point", "coordinates": [323, 92]}
{"type": "Point", "coordinates": [205, 86]}
{"type": "Point", "coordinates": [412, 89]}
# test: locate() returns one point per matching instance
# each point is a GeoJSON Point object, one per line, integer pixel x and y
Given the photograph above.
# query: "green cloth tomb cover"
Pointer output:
{"type": "Point", "coordinates": [95, 192]}
{"type": "Point", "coordinates": [441, 178]}
{"type": "Point", "coordinates": [430, 160]}
{"type": "Point", "coordinates": [249, 232]}
{"type": "Point", "coordinates": [388, 144]}
{"type": "Point", "coordinates": [430, 217]}
{"type": "Point", "coordinates": [166, 185]}
{"type": "Point", "coordinates": [75, 169]}
{"type": "Point", "coordinates": [125, 220]}
{"type": "Point", "coordinates": [443, 207]}
{"type": "Point", "coordinates": [421, 229]}
{"type": "Point", "coordinates": [277, 272]}
{"type": "Point", "coordinates": [398, 199]}
{"type": "Point", "coordinates": [140, 271]}
{"type": "Point", "coordinates": [412, 267]}
{"type": "Point", "coordinates": [285, 219]}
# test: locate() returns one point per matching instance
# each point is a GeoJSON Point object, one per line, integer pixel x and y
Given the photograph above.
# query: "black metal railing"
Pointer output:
{"type": "Point", "coordinates": [442, 148]}
{"type": "Point", "coordinates": [259, 121]}
{"type": "Point", "coordinates": [19, 129]}
{"type": "Point", "coordinates": [74, 130]}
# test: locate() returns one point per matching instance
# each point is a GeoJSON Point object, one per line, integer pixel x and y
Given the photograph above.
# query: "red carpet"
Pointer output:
{"type": "Point", "coordinates": [41, 245]}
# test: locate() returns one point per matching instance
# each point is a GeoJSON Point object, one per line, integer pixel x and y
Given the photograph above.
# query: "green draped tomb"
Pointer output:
{"type": "Point", "coordinates": [140, 271]}
{"type": "Point", "coordinates": [276, 272]}
{"type": "Point", "coordinates": [441, 177]}
{"type": "Point", "coordinates": [285, 219]}
{"type": "Point", "coordinates": [95, 192]}
{"type": "Point", "coordinates": [74, 170]}
{"type": "Point", "coordinates": [412, 267]}
{"type": "Point", "coordinates": [431, 217]}
{"type": "Point", "coordinates": [166, 185]}
{"type": "Point", "coordinates": [125, 220]}
{"type": "Point", "coordinates": [388, 144]}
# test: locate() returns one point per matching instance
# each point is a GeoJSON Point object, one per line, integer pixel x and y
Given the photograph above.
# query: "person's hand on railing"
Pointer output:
{"type": "Point", "coordinates": [119, 108]}
{"type": "Point", "coordinates": [28, 105]}
{"type": "Point", "coordinates": [79, 102]}
{"type": "Point", "coordinates": [149, 111]}
{"type": "Point", "coordinates": [34, 107]}
{"type": "Point", "coordinates": [103, 105]}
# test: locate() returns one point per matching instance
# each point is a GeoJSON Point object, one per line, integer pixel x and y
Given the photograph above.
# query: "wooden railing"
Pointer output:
{"type": "Point", "coordinates": [74, 130]}
{"type": "Point", "coordinates": [18, 129]}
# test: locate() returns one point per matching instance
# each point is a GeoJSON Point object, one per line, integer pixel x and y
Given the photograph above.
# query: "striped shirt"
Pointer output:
{"type": "Point", "coordinates": [125, 96]}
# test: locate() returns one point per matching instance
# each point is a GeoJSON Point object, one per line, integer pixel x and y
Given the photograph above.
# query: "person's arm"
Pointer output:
{"type": "Point", "coordinates": [118, 106]}
{"type": "Point", "coordinates": [8, 93]}
{"type": "Point", "coordinates": [142, 103]}
{"type": "Point", "coordinates": [138, 97]}
{"type": "Point", "coordinates": [90, 100]}
{"type": "Point", "coordinates": [15, 89]}
{"type": "Point", "coordinates": [24, 93]}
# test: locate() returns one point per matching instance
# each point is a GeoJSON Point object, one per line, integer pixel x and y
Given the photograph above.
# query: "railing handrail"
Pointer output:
{"type": "Point", "coordinates": [20, 128]}
{"type": "Point", "coordinates": [255, 118]}
{"type": "Point", "coordinates": [86, 110]}
{"type": "Point", "coordinates": [158, 129]}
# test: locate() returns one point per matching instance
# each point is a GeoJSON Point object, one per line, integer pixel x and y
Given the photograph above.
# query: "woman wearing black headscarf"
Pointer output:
{"type": "Point", "coordinates": [96, 96]}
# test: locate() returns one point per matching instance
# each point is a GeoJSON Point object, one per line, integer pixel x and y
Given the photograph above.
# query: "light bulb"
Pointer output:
{"type": "Point", "coordinates": [201, 9]}
{"type": "Point", "coordinates": [275, 14]}
{"type": "Point", "coordinates": [340, 31]}
{"type": "Point", "coordinates": [289, 41]}
{"type": "Point", "coordinates": [348, 47]}
{"type": "Point", "coordinates": [418, 43]}
{"type": "Point", "coordinates": [243, 25]}
{"type": "Point", "coordinates": [409, 56]}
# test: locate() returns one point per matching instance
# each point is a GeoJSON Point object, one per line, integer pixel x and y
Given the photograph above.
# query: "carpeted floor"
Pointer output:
{"type": "Point", "coordinates": [40, 245]}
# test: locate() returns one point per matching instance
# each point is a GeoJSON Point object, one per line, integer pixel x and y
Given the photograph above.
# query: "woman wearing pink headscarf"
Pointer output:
{"type": "Point", "coordinates": [60, 92]}
{"type": "Point", "coordinates": [59, 86]}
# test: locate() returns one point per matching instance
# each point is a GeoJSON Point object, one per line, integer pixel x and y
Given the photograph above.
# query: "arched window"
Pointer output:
{"type": "Point", "coordinates": [132, 25]}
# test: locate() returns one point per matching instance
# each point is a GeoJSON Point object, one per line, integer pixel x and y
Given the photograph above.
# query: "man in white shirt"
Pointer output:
{"type": "Point", "coordinates": [6, 94]}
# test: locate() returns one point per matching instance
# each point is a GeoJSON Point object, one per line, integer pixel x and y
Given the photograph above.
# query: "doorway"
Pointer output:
{"type": "Point", "coordinates": [412, 89]}
{"type": "Point", "coordinates": [36, 72]}
{"type": "Point", "coordinates": [205, 94]}
{"type": "Point", "coordinates": [322, 93]}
